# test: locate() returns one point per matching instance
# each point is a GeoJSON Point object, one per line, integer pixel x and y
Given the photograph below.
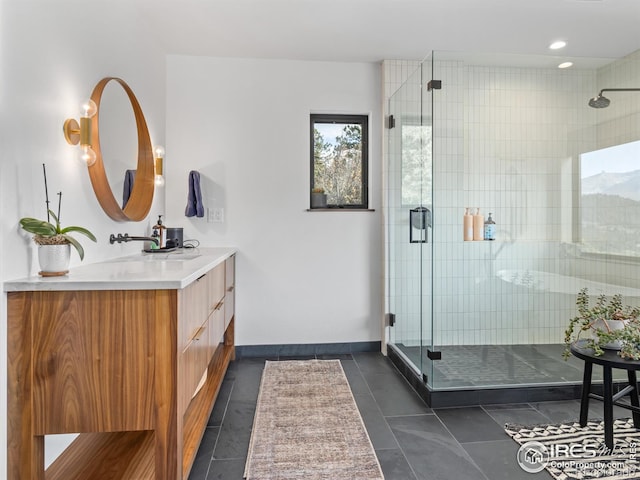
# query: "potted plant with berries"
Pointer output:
{"type": "Point", "coordinates": [609, 324]}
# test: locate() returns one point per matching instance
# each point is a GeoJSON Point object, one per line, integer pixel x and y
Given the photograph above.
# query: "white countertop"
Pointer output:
{"type": "Point", "coordinates": [154, 271]}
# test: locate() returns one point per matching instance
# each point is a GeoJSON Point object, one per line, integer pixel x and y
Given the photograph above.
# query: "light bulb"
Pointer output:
{"type": "Point", "coordinates": [87, 155]}
{"type": "Point", "coordinates": [558, 44]}
{"type": "Point", "coordinates": [159, 151]}
{"type": "Point", "coordinates": [88, 108]}
{"type": "Point", "coordinates": [159, 181]}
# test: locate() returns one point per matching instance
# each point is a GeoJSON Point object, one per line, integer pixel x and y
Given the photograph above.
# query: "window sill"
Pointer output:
{"type": "Point", "coordinates": [340, 209]}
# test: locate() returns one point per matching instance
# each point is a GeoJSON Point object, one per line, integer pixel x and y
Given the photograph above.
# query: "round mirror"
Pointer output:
{"type": "Point", "coordinates": [118, 141]}
{"type": "Point", "coordinates": [119, 153]}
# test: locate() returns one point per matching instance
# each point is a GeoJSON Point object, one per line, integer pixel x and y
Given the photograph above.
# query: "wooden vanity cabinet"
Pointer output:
{"type": "Point", "coordinates": [122, 368]}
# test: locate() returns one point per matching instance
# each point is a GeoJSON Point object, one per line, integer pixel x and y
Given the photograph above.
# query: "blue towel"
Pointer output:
{"type": "Point", "coordinates": [194, 199]}
{"type": "Point", "coordinates": [129, 178]}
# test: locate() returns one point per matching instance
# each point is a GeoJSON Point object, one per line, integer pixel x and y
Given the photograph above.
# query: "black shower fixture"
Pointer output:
{"type": "Point", "coordinates": [602, 102]}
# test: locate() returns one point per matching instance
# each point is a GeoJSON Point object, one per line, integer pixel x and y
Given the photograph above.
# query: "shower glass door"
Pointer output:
{"type": "Point", "coordinates": [410, 222]}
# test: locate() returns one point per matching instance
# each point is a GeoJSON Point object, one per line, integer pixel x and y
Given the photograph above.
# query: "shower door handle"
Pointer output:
{"type": "Point", "coordinates": [419, 221]}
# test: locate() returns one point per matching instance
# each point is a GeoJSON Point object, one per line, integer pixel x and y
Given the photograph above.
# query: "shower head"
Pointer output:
{"type": "Point", "coordinates": [602, 102]}
{"type": "Point", "coordinates": [599, 102]}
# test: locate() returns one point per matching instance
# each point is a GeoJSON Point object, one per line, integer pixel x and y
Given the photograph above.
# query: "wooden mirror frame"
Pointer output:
{"type": "Point", "coordinates": [141, 197]}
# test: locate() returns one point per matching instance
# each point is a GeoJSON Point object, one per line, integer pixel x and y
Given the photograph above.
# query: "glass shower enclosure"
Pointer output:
{"type": "Point", "coordinates": [512, 136]}
{"type": "Point", "coordinates": [410, 213]}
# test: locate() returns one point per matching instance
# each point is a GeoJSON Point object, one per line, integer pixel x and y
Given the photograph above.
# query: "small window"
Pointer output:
{"type": "Point", "coordinates": [610, 200]}
{"type": "Point", "coordinates": [339, 160]}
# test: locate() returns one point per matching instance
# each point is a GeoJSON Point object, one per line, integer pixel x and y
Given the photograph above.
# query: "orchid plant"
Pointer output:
{"type": "Point", "coordinates": [48, 233]}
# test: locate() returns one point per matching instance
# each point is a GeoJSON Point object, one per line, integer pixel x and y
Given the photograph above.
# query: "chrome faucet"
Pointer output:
{"type": "Point", "coordinates": [126, 238]}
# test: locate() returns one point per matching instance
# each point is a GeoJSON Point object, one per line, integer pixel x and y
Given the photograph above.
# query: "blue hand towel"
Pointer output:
{"type": "Point", "coordinates": [129, 178]}
{"type": "Point", "coordinates": [194, 199]}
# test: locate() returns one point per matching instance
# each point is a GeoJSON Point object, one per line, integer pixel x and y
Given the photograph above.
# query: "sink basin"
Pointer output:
{"type": "Point", "coordinates": [157, 257]}
{"type": "Point", "coordinates": [169, 256]}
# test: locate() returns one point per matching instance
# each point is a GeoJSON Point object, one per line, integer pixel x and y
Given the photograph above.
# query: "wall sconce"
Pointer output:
{"type": "Point", "coordinates": [158, 155]}
{"type": "Point", "coordinates": [76, 133]}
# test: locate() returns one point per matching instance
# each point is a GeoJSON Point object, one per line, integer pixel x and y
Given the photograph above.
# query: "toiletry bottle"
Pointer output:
{"type": "Point", "coordinates": [478, 225]}
{"type": "Point", "coordinates": [162, 232]}
{"type": "Point", "coordinates": [489, 229]}
{"type": "Point", "coordinates": [467, 227]}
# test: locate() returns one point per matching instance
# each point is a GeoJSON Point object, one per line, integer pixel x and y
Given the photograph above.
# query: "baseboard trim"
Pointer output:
{"type": "Point", "coordinates": [306, 349]}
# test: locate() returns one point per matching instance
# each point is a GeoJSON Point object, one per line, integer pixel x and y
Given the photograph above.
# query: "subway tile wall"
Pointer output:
{"type": "Point", "coordinates": [617, 124]}
{"type": "Point", "coordinates": [507, 140]}
{"type": "Point", "coordinates": [620, 122]}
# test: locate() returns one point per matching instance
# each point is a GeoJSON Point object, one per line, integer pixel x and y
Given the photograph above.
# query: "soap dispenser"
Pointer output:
{"type": "Point", "coordinates": [490, 229]}
{"type": "Point", "coordinates": [467, 225]}
{"type": "Point", "coordinates": [478, 225]}
{"type": "Point", "coordinates": [160, 232]}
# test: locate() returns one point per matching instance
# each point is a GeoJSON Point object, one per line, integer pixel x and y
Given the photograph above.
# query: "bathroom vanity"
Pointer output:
{"type": "Point", "coordinates": [128, 353]}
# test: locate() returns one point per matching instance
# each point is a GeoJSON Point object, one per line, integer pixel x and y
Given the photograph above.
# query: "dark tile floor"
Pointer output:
{"type": "Point", "coordinates": [412, 441]}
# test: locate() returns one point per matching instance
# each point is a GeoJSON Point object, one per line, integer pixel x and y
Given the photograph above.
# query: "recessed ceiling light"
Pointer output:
{"type": "Point", "coordinates": [558, 44]}
{"type": "Point", "coordinates": [565, 65]}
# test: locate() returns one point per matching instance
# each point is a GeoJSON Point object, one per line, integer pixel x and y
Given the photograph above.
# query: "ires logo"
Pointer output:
{"type": "Point", "coordinates": [533, 457]}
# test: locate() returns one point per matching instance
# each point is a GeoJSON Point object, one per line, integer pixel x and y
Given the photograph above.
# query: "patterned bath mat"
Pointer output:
{"type": "Point", "coordinates": [571, 452]}
{"type": "Point", "coordinates": [307, 426]}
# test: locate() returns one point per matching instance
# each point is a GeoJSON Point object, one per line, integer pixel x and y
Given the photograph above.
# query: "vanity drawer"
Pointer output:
{"type": "Point", "coordinates": [230, 271]}
{"type": "Point", "coordinates": [194, 309]}
{"type": "Point", "coordinates": [216, 287]}
{"type": "Point", "coordinates": [194, 361]}
{"type": "Point", "coordinates": [229, 306]}
{"type": "Point", "coordinates": [230, 290]}
{"type": "Point", "coordinates": [217, 327]}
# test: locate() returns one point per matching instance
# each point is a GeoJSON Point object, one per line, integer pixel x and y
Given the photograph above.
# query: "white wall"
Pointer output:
{"type": "Point", "coordinates": [52, 54]}
{"type": "Point", "coordinates": [302, 277]}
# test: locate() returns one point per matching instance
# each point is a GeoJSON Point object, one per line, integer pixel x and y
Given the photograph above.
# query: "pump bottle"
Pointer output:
{"type": "Point", "coordinates": [467, 226]}
{"type": "Point", "coordinates": [490, 229]}
{"type": "Point", "coordinates": [478, 225]}
{"type": "Point", "coordinates": [160, 232]}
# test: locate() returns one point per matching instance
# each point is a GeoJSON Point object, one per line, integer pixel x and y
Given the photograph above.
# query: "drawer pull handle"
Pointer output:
{"type": "Point", "coordinates": [230, 289]}
{"type": "Point", "coordinates": [198, 334]}
{"type": "Point", "coordinates": [201, 277]}
{"type": "Point", "coordinates": [218, 305]}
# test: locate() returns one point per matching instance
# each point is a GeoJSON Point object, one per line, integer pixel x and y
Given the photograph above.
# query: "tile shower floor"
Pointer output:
{"type": "Point", "coordinates": [411, 440]}
{"type": "Point", "coordinates": [502, 365]}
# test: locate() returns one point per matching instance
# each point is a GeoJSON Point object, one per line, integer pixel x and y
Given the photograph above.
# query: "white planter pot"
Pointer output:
{"type": "Point", "coordinates": [612, 325]}
{"type": "Point", "coordinates": [54, 259]}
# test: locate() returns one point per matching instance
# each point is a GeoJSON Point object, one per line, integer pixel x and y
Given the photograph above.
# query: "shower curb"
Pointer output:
{"type": "Point", "coordinates": [488, 396]}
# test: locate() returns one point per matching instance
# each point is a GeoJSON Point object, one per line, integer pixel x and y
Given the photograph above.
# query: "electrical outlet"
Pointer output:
{"type": "Point", "coordinates": [218, 215]}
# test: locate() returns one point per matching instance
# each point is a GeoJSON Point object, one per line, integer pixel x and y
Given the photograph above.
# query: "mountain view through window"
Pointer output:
{"type": "Point", "coordinates": [610, 200]}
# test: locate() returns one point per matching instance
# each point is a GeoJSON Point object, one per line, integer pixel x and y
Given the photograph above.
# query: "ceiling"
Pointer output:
{"type": "Point", "coordinates": [373, 30]}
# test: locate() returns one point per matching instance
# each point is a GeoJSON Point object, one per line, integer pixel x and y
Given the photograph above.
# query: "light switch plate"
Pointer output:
{"type": "Point", "coordinates": [218, 215]}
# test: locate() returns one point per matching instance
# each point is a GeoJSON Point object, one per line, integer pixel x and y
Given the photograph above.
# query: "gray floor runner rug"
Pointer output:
{"type": "Point", "coordinates": [307, 426]}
